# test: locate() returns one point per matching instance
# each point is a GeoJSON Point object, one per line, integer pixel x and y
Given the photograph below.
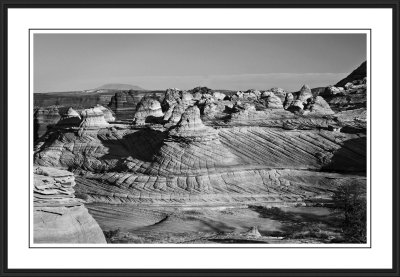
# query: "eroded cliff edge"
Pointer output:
{"type": "Point", "coordinates": [58, 216]}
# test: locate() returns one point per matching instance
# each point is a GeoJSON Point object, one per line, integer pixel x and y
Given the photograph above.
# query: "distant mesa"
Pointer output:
{"type": "Point", "coordinates": [118, 87]}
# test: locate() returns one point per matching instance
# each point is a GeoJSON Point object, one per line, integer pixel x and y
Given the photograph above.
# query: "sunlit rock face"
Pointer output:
{"type": "Point", "coordinates": [271, 101]}
{"type": "Point", "coordinates": [289, 98]}
{"type": "Point", "coordinates": [58, 216]}
{"type": "Point", "coordinates": [148, 110]}
{"type": "Point", "coordinates": [219, 95]}
{"type": "Point", "coordinates": [259, 146]}
{"type": "Point", "coordinates": [191, 148]}
{"type": "Point", "coordinates": [93, 118]}
{"type": "Point", "coordinates": [108, 113]}
{"type": "Point", "coordinates": [175, 103]}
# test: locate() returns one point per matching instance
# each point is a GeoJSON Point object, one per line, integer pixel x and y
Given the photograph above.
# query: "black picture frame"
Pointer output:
{"type": "Point", "coordinates": [5, 5]}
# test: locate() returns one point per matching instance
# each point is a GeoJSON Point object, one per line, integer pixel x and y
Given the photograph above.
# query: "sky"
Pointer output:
{"type": "Point", "coordinates": [73, 62]}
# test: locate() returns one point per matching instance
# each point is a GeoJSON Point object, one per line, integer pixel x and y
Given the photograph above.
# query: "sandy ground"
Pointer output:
{"type": "Point", "coordinates": [152, 224]}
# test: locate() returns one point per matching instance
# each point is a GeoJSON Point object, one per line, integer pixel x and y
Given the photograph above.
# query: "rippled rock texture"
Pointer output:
{"type": "Point", "coordinates": [208, 148]}
{"type": "Point", "coordinates": [58, 216]}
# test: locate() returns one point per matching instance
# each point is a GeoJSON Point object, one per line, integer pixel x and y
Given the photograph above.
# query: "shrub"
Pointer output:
{"type": "Point", "coordinates": [351, 200]}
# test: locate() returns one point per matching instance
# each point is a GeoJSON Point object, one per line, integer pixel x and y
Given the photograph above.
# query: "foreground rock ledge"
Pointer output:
{"type": "Point", "coordinates": [59, 217]}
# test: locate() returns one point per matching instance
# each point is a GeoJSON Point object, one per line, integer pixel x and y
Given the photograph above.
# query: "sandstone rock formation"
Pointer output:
{"type": "Point", "coordinates": [108, 114]}
{"type": "Point", "coordinates": [70, 118]}
{"type": "Point", "coordinates": [305, 102]}
{"type": "Point", "coordinates": [93, 118]}
{"type": "Point", "coordinates": [191, 148]}
{"type": "Point", "coordinates": [175, 103]}
{"type": "Point", "coordinates": [124, 103]}
{"type": "Point", "coordinates": [288, 100]}
{"type": "Point", "coordinates": [44, 118]}
{"type": "Point", "coordinates": [148, 109]}
{"type": "Point", "coordinates": [59, 217]}
{"type": "Point", "coordinates": [305, 93]}
{"type": "Point", "coordinates": [218, 95]}
{"type": "Point", "coordinates": [211, 149]}
{"type": "Point", "coordinates": [358, 74]}
{"type": "Point", "coordinates": [272, 101]}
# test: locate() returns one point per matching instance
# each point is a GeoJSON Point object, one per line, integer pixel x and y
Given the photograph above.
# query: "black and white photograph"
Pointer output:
{"type": "Point", "coordinates": [197, 137]}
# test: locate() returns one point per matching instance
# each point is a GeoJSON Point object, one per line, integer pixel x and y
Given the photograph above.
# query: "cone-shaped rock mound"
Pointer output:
{"type": "Point", "coordinates": [93, 118]}
{"type": "Point", "coordinates": [193, 148]}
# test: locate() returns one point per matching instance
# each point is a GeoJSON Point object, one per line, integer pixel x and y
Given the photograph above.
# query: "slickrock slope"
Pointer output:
{"type": "Point", "coordinates": [191, 148]}
{"type": "Point", "coordinates": [259, 146]}
{"type": "Point", "coordinates": [245, 187]}
{"type": "Point", "coordinates": [99, 150]}
{"type": "Point", "coordinates": [59, 217]}
{"type": "Point", "coordinates": [244, 165]}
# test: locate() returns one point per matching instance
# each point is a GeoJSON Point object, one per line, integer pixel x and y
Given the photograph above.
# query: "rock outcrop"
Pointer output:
{"type": "Point", "coordinates": [306, 103]}
{"type": "Point", "coordinates": [70, 118]}
{"type": "Point", "coordinates": [59, 217]}
{"type": "Point", "coordinates": [93, 118]}
{"type": "Point", "coordinates": [44, 118]}
{"type": "Point", "coordinates": [271, 100]}
{"type": "Point", "coordinates": [148, 110]}
{"type": "Point", "coordinates": [108, 113]}
{"type": "Point", "coordinates": [191, 148]}
{"type": "Point", "coordinates": [175, 103]}
{"type": "Point", "coordinates": [124, 103]}
{"type": "Point", "coordinates": [358, 74]}
{"type": "Point", "coordinates": [304, 93]}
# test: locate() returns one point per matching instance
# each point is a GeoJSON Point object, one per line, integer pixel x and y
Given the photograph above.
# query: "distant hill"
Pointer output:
{"type": "Point", "coordinates": [119, 87]}
{"type": "Point", "coordinates": [358, 74]}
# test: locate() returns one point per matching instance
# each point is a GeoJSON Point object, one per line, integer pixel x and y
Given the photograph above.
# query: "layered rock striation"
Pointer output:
{"type": "Point", "coordinates": [59, 217]}
{"type": "Point", "coordinates": [44, 119]}
{"type": "Point", "coordinates": [148, 111]}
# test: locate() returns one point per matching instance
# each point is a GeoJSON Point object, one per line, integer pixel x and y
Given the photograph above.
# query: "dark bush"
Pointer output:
{"type": "Point", "coordinates": [351, 200]}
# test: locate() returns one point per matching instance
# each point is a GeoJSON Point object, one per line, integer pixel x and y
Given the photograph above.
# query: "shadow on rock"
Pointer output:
{"type": "Point", "coordinates": [141, 145]}
{"type": "Point", "coordinates": [352, 156]}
